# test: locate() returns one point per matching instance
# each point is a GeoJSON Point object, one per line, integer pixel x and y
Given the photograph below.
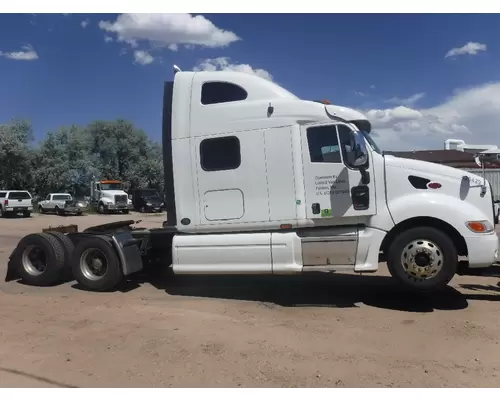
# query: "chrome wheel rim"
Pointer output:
{"type": "Point", "coordinates": [93, 264]}
{"type": "Point", "coordinates": [422, 259]}
{"type": "Point", "coordinates": [34, 260]}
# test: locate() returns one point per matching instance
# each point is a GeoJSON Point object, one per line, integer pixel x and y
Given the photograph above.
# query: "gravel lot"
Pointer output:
{"type": "Point", "coordinates": [343, 330]}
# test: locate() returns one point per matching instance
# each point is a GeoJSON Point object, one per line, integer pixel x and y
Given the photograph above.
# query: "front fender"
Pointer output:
{"type": "Point", "coordinates": [449, 209]}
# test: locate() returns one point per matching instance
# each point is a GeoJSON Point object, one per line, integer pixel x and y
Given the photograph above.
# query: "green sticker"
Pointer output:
{"type": "Point", "coordinates": [327, 212]}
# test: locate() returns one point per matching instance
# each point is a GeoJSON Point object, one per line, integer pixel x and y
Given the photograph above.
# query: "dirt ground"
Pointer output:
{"type": "Point", "coordinates": [334, 331]}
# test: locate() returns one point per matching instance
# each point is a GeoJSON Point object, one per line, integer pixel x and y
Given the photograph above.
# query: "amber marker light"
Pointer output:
{"type": "Point", "coordinates": [479, 226]}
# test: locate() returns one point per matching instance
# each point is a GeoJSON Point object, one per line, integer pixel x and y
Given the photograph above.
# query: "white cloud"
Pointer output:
{"type": "Point", "coordinates": [84, 23]}
{"type": "Point", "coordinates": [143, 57]}
{"type": "Point", "coordinates": [108, 39]}
{"type": "Point", "coordinates": [471, 114]}
{"type": "Point", "coordinates": [224, 64]}
{"type": "Point", "coordinates": [471, 48]}
{"type": "Point", "coordinates": [408, 102]}
{"type": "Point", "coordinates": [26, 54]}
{"type": "Point", "coordinates": [168, 30]}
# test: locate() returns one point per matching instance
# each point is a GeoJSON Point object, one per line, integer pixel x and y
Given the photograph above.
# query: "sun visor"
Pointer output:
{"type": "Point", "coordinates": [349, 115]}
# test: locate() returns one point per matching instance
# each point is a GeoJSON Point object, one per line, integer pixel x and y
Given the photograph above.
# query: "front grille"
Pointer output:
{"type": "Point", "coordinates": [121, 199]}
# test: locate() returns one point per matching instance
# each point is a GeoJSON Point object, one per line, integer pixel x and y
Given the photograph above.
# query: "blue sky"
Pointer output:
{"type": "Point", "coordinates": [393, 67]}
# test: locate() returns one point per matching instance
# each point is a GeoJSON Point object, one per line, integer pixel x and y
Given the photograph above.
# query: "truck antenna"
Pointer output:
{"type": "Point", "coordinates": [176, 69]}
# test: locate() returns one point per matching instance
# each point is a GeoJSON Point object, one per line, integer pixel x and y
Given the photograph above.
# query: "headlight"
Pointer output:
{"type": "Point", "coordinates": [162, 205]}
{"type": "Point", "coordinates": [109, 203]}
{"type": "Point", "coordinates": [149, 204]}
{"type": "Point", "coordinates": [480, 226]}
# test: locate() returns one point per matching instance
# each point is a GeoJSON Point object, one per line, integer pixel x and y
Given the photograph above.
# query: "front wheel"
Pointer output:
{"type": "Point", "coordinates": [423, 259]}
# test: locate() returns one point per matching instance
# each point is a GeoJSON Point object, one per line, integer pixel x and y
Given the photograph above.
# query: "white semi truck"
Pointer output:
{"type": "Point", "coordinates": [259, 181]}
{"type": "Point", "coordinates": [108, 196]}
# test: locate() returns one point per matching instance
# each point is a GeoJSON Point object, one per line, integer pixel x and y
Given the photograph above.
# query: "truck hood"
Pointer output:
{"type": "Point", "coordinates": [460, 186]}
{"type": "Point", "coordinates": [111, 193]}
{"type": "Point", "coordinates": [430, 168]}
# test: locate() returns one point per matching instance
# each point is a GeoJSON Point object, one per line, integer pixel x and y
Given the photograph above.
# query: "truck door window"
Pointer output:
{"type": "Point", "coordinates": [221, 92]}
{"type": "Point", "coordinates": [48, 197]}
{"type": "Point", "coordinates": [219, 154]}
{"type": "Point", "coordinates": [323, 144]}
{"type": "Point", "coordinates": [2, 195]}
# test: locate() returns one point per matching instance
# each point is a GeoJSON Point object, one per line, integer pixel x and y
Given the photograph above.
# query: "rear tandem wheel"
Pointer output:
{"type": "Point", "coordinates": [95, 264]}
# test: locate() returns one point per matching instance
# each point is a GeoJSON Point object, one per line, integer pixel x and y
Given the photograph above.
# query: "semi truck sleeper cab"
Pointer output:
{"type": "Point", "coordinates": [259, 181]}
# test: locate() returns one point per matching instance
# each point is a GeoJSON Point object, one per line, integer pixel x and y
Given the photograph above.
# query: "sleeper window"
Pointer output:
{"type": "Point", "coordinates": [221, 92]}
{"type": "Point", "coordinates": [219, 154]}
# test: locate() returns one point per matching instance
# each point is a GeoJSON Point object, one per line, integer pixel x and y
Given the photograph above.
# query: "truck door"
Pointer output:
{"type": "Point", "coordinates": [331, 188]}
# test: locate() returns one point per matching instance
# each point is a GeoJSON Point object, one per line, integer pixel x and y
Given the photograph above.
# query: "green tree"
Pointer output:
{"type": "Point", "coordinates": [16, 154]}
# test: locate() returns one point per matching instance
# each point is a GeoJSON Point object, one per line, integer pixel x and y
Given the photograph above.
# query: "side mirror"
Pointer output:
{"type": "Point", "coordinates": [360, 155]}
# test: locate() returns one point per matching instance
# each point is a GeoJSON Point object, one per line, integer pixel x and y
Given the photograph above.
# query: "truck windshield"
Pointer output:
{"type": "Point", "coordinates": [111, 186]}
{"type": "Point", "coordinates": [149, 193]}
{"type": "Point", "coordinates": [371, 142]}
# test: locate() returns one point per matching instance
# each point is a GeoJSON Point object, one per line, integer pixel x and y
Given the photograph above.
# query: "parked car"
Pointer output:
{"type": "Point", "coordinates": [61, 204]}
{"type": "Point", "coordinates": [147, 200]}
{"type": "Point", "coordinates": [15, 202]}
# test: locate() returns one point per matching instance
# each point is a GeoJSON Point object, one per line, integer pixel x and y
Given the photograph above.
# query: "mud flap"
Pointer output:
{"type": "Point", "coordinates": [12, 273]}
{"type": "Point", "coordinates": [128, 251]}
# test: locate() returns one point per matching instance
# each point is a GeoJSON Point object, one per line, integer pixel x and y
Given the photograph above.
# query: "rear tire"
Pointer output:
{"type": "Point", "coordinates": [125, 212]}
{"type": "Point", "coordinates": [69, 248]}
{"type": "Point", "coordinates": [95, 265]}
{"type": "Point", "coordinates": [39, 259]}
{"type": "Point", "coordinates": [423, 259]}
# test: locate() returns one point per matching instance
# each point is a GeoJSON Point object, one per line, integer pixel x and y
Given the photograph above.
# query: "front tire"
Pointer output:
{"type": "Point", "coordinates": [423, 259]}
{"type": "Point", "coordinates": [100, 209]}
{"type": "Point", "coordinates": [95, 265]}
